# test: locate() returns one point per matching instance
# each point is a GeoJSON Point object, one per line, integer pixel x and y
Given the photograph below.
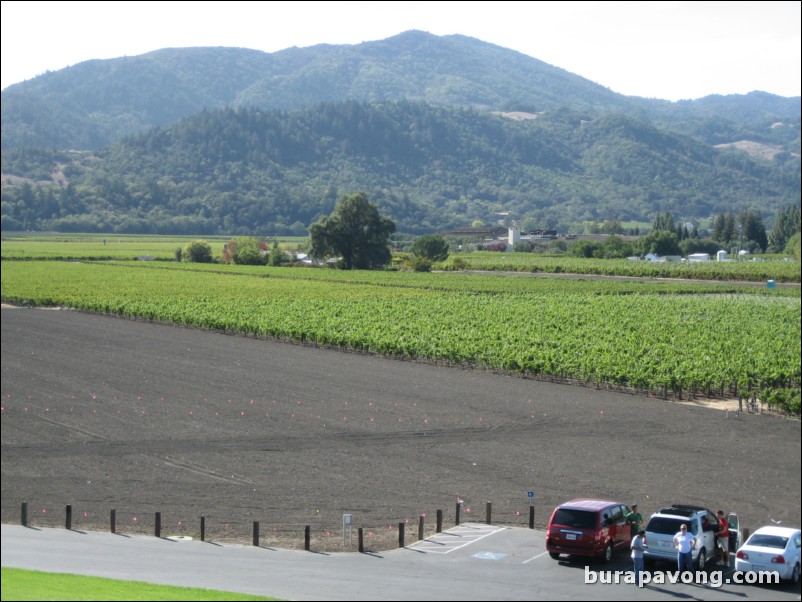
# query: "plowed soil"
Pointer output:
{"type": "Point", "coordinates": [102, 414]}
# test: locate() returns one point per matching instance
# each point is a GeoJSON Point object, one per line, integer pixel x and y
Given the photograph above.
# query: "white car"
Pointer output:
{"type": "Point", "coordinates": [771, 549]}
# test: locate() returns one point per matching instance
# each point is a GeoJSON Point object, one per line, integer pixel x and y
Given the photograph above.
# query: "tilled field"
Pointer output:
{"type": "Point", "coordinates": [103, 413]}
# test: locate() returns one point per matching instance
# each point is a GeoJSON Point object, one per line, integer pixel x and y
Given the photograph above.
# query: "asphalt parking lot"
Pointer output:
{"type": "Point", "coordinates": [472, 561]}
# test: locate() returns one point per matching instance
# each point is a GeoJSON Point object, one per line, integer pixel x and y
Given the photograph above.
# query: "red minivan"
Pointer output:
{"type": "Point", "coordinates": [584, 527]}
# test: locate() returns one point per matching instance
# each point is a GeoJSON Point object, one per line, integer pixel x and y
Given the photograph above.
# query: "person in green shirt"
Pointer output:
{"type": "Point", "coordinates": [635, 521]}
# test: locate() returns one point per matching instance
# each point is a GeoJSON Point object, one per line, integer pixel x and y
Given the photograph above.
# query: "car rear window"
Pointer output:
{"type": "Point", "coordinates": [669, 526]}
{"type": "Point", "coordinates": [581, 519]}
{"type": "Point", "coordinates": [768, 541]}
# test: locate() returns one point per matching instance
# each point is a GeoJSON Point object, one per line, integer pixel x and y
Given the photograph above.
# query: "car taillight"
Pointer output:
{"type": "Point", "coordinates": [742, 555]}
{"type": "Point", "coordinates": [778, 560]}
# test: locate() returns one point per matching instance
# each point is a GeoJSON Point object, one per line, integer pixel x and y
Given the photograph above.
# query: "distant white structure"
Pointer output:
{"type": "Point", "coordinates": [660, 258]}
{"type": "Point", "coordinates": [514, 235]}
{"type": "Point", "coordinates": [722, 255]}
{"type": "Point", "coordinates": [699, 257]}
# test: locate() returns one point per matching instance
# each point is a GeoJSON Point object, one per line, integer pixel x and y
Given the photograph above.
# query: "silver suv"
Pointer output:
{"type": "Point", "coordinates": [702, 523]}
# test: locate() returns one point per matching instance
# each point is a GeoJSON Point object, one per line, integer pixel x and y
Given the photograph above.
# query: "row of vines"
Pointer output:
{"type": "Point", "coordinates": [745, 270]}
{"type": "Point", "coordinates": [671, 344]}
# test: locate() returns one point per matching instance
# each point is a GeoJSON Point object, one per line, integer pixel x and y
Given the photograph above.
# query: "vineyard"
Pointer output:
{"type": "Point", "coordinates": [77, 247]}
{"type": "Point", "coordinates": [754, 270]}
{"type": "Point", "coordinates": [669, 339]}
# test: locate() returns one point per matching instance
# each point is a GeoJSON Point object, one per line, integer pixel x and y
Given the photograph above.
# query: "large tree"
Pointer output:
{"type": "Point", "coordinates": [431, 246]}
{"type": "Point", "coordinates": [786, 224]}
{"type": "Point", "coordinates": [355, 233]}
{"type": "Point", "coordinates": [752, 230]}
{"type": "Point", "coordinates": [659, 242]}
{"type": "Point", "coordinates": [198, 251]}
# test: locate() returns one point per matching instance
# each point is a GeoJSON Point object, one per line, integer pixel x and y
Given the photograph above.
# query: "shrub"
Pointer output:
{"type": "Point", "coordinates": [198, 251]}
{"type": "Point", "coordinates": [421, 264]}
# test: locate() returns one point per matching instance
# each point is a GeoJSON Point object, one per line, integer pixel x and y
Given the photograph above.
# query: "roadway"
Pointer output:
{"type": "Point", "coordinates": [469, 562]}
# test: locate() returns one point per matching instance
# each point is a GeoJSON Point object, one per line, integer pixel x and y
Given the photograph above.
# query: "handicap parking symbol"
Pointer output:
{"type": "Point", "coordinates": [489, 555]}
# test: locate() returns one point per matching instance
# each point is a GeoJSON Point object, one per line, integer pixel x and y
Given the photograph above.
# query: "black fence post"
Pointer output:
{"type": "Point", "coordinates": [488, 512]}
{"type": "Point", "coordinates": [256, 533]}
{"type": "Point", "coordinates": [23, 518]}
{"type": "Point", "coordinates": [203, 528]}
{"type": "Point", "coordinates": [456, 519]}
{"type": "Point", "coordinates": [113, 520]}
{"type": "Point", "coordinates": [420, 527]}
{"type": "Point", "coordinates": [531, 517]}
{"type": "Point", "coordinates": [400, 535]}
{"type": "Point", "coordinates": [158, 528]}
{"type": "Point", "coordinates": [439, 521]}
{"type": "Point", "coordinates": [307, 538]}
{"type": "Point", "coordinates": [361, 540]}
{"type": "Point", "coordinates": [68, 521]}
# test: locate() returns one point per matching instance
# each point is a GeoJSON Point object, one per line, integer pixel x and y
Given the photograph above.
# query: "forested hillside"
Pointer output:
{"type": "Point", "coordinates": [427, 167]}
{"type": "Point", "coordinates": [94, 103]}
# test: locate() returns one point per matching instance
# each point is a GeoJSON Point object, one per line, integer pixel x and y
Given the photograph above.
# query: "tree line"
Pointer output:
{"type": "Point", "coordinates": [357, 236]}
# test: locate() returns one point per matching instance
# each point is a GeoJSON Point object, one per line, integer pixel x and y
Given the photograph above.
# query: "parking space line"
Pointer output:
{"type": "Point", "coordinates": [455, 539]}
{"type": "Point", "coordinates": [534, 557]}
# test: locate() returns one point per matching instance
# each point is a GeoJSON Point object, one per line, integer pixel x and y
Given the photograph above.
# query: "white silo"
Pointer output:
{"type": "Point", "coordinates": [514, 235]}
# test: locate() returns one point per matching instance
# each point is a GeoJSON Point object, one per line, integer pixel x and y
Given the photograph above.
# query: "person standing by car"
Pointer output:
{"type": "Point", "coordinates": [638, 545]}
{"type": "Point", "coordinates": [635, 521]}
{"type": "Point", "coordinates": [684, 542]}
{"type": "Point", "coordinates": [723, 537]}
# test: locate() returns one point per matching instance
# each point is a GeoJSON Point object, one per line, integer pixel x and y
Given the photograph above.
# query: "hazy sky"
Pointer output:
{"type": "Point", "coordinates": [669, 50]}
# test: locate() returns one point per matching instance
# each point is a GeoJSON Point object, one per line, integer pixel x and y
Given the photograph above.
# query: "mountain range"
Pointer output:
{"type": "Point", "coordinates": [439, 129]}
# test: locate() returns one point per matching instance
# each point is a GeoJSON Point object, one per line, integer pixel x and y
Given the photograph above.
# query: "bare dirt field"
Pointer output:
{"type": "Point", "coordinates": [103, 413]}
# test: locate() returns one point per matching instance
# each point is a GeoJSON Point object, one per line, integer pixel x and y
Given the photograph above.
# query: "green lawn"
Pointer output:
{"type": "Point", "coordinates": [20, 584]}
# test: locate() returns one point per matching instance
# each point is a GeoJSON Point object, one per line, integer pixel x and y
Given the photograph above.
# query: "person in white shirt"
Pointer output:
{"type": "Point", "coordinates": [638, 545]}
{"type": "Point", "coordinates": [685, 543]}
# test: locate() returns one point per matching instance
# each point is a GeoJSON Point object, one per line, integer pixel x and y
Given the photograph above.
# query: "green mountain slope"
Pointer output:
{"type": "Point", "coordinates": [429, 168]}
{"type": "Point", "coordinates": [97, 102]}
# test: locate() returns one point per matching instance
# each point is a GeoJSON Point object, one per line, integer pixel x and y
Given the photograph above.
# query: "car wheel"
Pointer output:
{"type": "Point", "coordinates": [554, 555]}
{"type": "Point", "coordinates": [701, 560]}
{"type": "Point", "coordinates": [795, 574]}
{"type": "Point", "coordinates": [608, 553]}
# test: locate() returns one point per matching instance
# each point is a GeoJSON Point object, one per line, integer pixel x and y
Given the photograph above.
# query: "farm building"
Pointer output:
{"type": "Point", "coordinates": [653, 257]}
